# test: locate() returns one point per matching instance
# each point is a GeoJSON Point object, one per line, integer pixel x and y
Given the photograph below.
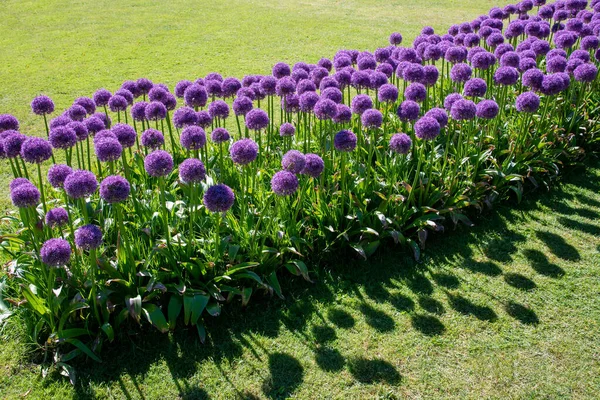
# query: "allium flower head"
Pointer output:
{"type": "Point", "coordinates": [80, 184]}
{"type": "Point", "coordinates": [268, 85]}
{"type": "Point", "coordinates": [193, 138]}
{"type": "Point", "coordinates": [213, 87]}
{"type": "Point", "coordinates": [195, 95]}
{"type": "Point", "coordinates": [230, 86]}
{"type": "Point", "coordinates": [463, 110]}
{"type": "Point", "coordinates": [325, 109]}
{"type": "Point", "coordinates": [361, 103]}
{"type": "Point", "coordinates": [395, 38]}
{"type": "Point", "coordinates": [332, 93]}
{"type": "Point", "coordinates": [153, 139]}
{"type": "Point", "coordinates": [388, 93]}
{"type": "Point", "coordinates": [313, 165]}
{"type": "Point", "coordinates": [220, 135]}
{"type": "Point", "coordinates": [400, 143]}
{"type": "Point", "coordinates": [81, 130]}
{"type": "Point", "coordinates": [242, 105]}
{"type": "Point", "coordinates": [287, 129]}
{"type": "Point", "coordinates": [36, 150]}
{"type": "Point", "coordinates": [114, 189]}
{"type": "Point", "coordinates": [132, 87]}
{"type": "Point", "coordinates": [138, 111]}
{"type": "Point", "coordinates": [461, 72]}
{"type": "Point", "coordinates": [218, 198]}
{"type": "Point", "coordinates": [62, 137]}
{"type": "Point", "coordinates": [204, 119]}
{"type": "Point", "coordinates": [450, 100]}
{"type": "Point", "coordinates": [12, 143]}
{"type": "Point", "coordinates": [156, 111]}
{"type": "Point", "coordinates": [281, 70]}
{"type": "Point", "coordinates": [285, 86]}
{"type": "Point", "coordinates": [293, 161]}
{"type": "Point", "coordinates": [487, 109]}
{"type": "Point", "coordinates": [427, 128]}
{"type": "Point", "coordinates": [284, 183]}
{"type": "Point", "coordinates": [57, 217]}
{"type": "Point", "coordinates": [88, 237]}
{"type": "Point", "coordinates": [475, 87]}
{"type": "Point", "coordinates": [345, 141]}
{"type": "Point", "coordinates": [415, 92]}
{"type": "Point", "coordinates": [456, 54]}
{"type": "Point", "coordinates": [104, 134]}
{"type": "Point", "coordinates": [25, 195]}
{"type": "Point", "coordinates": [307, 101]}
{"type": "Point", "coordinates": [528, 102]}
{"type": "Point", "coordinates": [159, 163]}
{"type": "Point", "coordinates": [192, 170]}
{"type": "Point", "coordinates": [101, 97]}
{"type": "Point", "coordinates": [18, 182]}
{"type": "Point", "coordinates": [371, 118]}
{"type": "Point", "coordinates": [218, 109]}
{"type": "Point", "coordinates": [506, 76]}
{"type": "Point", "coordinates": [585, 73]}
{"type": "Point", "coordinates": [8, 122]}
{"type": "Point", "coordinates": [108, 149]}
{"type": "Point", "coordinates": [181, 86]}
{"type": "Point", "coordinates": [257, 119]}
{"type": "Point", "coordinates": [57, 175]}
{"type": "Point", "coordinates": [533, 78]}
{"type": "Point", "coordinates": [413, 72]}
{"type": "Point", "coordinates": [55, 252]}
{"type": "Point", "coordinates": [408, 110]}
{"type": "Point", "coordinates": [439, 114]}
{"type": "Point", "coordinates": [42, 105]}
{"type": "Point", "coordinates": [61, 120]}
{"type": "Point", "coordinates": [342, 114]}
{"type": "Point", "coordinates": [144, 85]}
{"type": "Point", "coordinates": [243, 151]}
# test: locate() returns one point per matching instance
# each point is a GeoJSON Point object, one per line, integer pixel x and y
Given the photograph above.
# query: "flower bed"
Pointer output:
{"type": "Point", "coordinates": [143, 219]}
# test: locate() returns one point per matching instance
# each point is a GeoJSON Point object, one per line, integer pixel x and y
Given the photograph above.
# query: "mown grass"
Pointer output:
{"type": "Point", "coordinates": [507, 309]}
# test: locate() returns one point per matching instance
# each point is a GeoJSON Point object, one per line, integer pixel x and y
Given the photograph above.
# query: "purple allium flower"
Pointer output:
{"type": "Point", "coordinates": [293, 161]}
{"type": "Point", "coordinates": [257, 119]}
{"type": "Point", "coordinates": [385, 68]}
{"type": "Point", "coordinates": [63, 137]}
{"type": "Point", "coordinates": [125, 134]}
{"type": "Point", "coordinates": [13, 143]}
{"type": "Point", "coordinates": [307, 101]}
{"type": "Point", "coordinates": [126, 94]}
{"type": "Point", "coordinates": [463, 110]}
{"type": "Point", "coordinates": [170, 102]}
{"type": "Point", "coordinates": [487, 109]}
{"type": "Point", "coordinates": [400, 143]}
{"type": "Point", "coordinates": [159, 163]}
{"type": "Point", "coordinates": [585, 73]}
{"type": "Point", "coordinates": [25, 195]}
{"type": "Point", "coordinates": [361, 103]}
{"type": "Point", "coordinates": [132, 87]}
{"type": "Point", "coordinates": [218, 198]}
{"type": "Point", "coordinates": [395, 38]}
{"type": "Point", "coordinates": [36, 150]}
{"type": "Point", "coordinates": [325, 109]}
{"type": "Point", "coordinates": [108, 149]}
{"type": "Point", "coordinates": [8, 123]}
{"type": "Point", "coordinates": [268, 85]}
{"type": "Point", "coordinates": [101, 97]}
{"type": "Point", "coordinates": [193, 138]}
{"type": "Point", "coordinates": [218, 109]}
{"type": "Point", "coordinates": [430, 75]}
{"type": "Point", "coordinates": [533, 78]}
{"type": "Point", "coordinates": [243, 151]}
{"type": "Point", "coordinates": [564, 39]}
{"type": "Point", "coordinates": [427, 128]}
{"type": "Point", "coordinates": [138, 111]}
{"type": "Point", "coordinates": [472, 40]}
{"type": "Point", "coordinates": [413, 72]}
{"type": "Point", "coordinates": [381, 54]}
{"type": "Point", "coordinates": [526, 64]}
{"type": "Point", "coordinates": [367, 62]}
{"type": "Point", "coordinates": [156, 111]}
{"type": "Point", "coordinates": [185, 116]}
{"type": "Point", "coordinates": [152, 139]}
{"type": "Point", "coordinates": [281, 70]}
{"type": "Point", "coordinates": [94, 124]}
{"type": "Point", "coordinates": [343, 114]}
{"type": "Point", "coordinates": [80, 129]}
{"type": "Point", "coordinates": [80, 183]}
{"type": "Point", "coordinates": [317, 74]}
{"type": "Point", "coordinates": [553, 84]}
{"type": "Point", "coordinates": [287, 129]}
{"type": "Point", "coordinates": [230, 86]}
{"type": "Point", "coordinates": [506, 76]}
{"type": "Point", "coordinates": [213, 87]}
{"type": "Point", "coordinates": [42, 105]}
{"type": "Point", "coordinates": [104, 134]}
{"type": "Point", "coordinates": [214, 76]}
{"type": "Point", "coordinates": [195, 95]}
{"type": "Point", "coordinates": [475, 87]}
{"type": "Point", "coordinates": [18, 182]}
{"type": "Point", "coordinates": [590, 43]}
{"type": "Point", "coordinates": [580, 55]}
{"type": "Point", "coordinates": [388, 93]}
{"type": "Point", "coordinates": [220, 135]}
{"type": "Point", "coordinates": [57, 217]}
{"type": "Point", "coordinates": [242, 105]}
{"type": "Point", "coordinates": [528, 102]}
{"type": "Point", "coordinates": [360, 79]}
{"type": "Point", "coordinates": [461, 72]}
{"type": "Point", "coordinates": [117, 103]}
{"type": "Point", "coordinates": [284, 183]}
{"type": "Point", "coordinates": [55, 252]}
{"type": "Point", "coordinates": [450, 100]}
{"type": "Point", "coordinates": [204, 119]}
{"type": "Point", "coordinates": [192, 170]}
{"type": "Point", "coordinates": [345, 141]}
{"type": "Point", "coordinates": [408, 110]}
{"type": "Point", "coordinates": [114, 189]}
{"type": "Point", "coordinates": [144, 85]}
{"type": "Point", "coordinates": [483, 60]}
{"type": "Point", "coordinates": [57, 175]}
{"type": "Point", "coordinates": [556, 64]}
{"type": "Point", "coordinates": [333, 94]}
{"type": "Point", "coordinates": [572, 64]}
{"type": "Point", "coordinates": [510, 59]}
{"type": "Point", "coordinates": [371, 118]}
{"type": "Point", "coordinates": [415, 92]}
{"type": "Point", "coordinates": [342, 62]}
{"type": "Point", "coordinates": [313, 165]}
{"type": "Point", "coordinates": [305, 85]}
{"type": "Point", "coordinates": [88, 237]}
{"type": "Point", "coordinates": [456, 54]}
{"type": "Point", "coordinates": [440, 115]}
{"type": "Point", "coordinates": [181, 86]}
{"type": "Point", "coordinates": [285, 86]}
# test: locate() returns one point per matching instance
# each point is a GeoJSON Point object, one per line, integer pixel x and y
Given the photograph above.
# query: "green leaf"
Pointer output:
{"type": "Point", "coordinates": [240, 267]}
{"type": "Point", "coordinates": [156, 317]}
{"type": "Point", "coordinates": [272, 279]}
{"type": "Point", "coordinates": [358, 248]}
{"type": "Point", "coordinates": [250, 275]}
{"type": "Point", "coordinates": [201, 331]}
{"type": "Point", "coordinates": [246, 293]}
{"type": "Point", "coordinates": [71, 333]}
{"type": "Point", "coordinates": [34, 302]}
{"type": "Point", "coordinates": [415, 248]}
{"type": "Point", "coordinates": [214, 309]}
{"type": "Point", "coordinates": [68, 371]}
{"type": "Point", "coordinates": [79, 344]}
{"type": "Point", "coordinates": [193, 307]}
{"type": "Point", "coordinates": [174, 310]}
{"type": "Point", "coordinates": [108, 330]}
{"type": "Point", "coordinates": [300, 269]}
{"type": "Point", "coordinates": [371, 247]}
{"type": "Point", "coordinates": [67, 312]}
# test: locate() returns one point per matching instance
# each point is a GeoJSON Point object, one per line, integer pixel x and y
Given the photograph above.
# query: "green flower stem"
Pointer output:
{"type": "Point", "coordinates": [165, 212]}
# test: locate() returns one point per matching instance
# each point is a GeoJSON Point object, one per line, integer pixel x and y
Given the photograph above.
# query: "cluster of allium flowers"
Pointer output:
{"type": "Point", "coordinates": [57, 217]}
{"type": "Point", "coordinates": [62, 137]}
{"type": "Point", "coordinates": [55, 252]}
{"type": "Point", "coordinates": [88, 237]}
{"type": "Point", "coordinates": [528, 102]}
{"type": "Point", "coordinates": [487, 109]}
{"type": "Point", "coordinates": [313, 165]}
{"type": "Point", "coordinates": [80, 183]}
{"type": "Point", "coordinates": [193, 138]}
{"type": "Point", "coordinates": [36, 150]}
{"type": "Point", "coordinates": [220, 135]}
{"type": "Point", "coordinates": [108, 149]}
{"type": "Point", "coordinates": [400, 143]}
{"type": "Point", "coordinates": [57, 175]}
{"type": "Point", "coordinates": [284, 183]}
{"type": "Point", "coordinates": [345, 141]}
{"type": "Point", "coordinates": [257, 119]}
{"type": "Point", "coordinates": [427, 128]}
{"type": "Point", "coordinates": [243, 151]}
{"type": "Point", "coordinates": [218, 198]}
{"type": "Point", "coordinates": [114, 189]}
{"type": "Point", "coordinates": [25, 195]}
{"type": "Point", "coordinates": [293, 161]}
{"type": "Point", "coordinates": [152, 139]}
{"type": "Point", "coordinates": [287, 129]}
{"type": "Point", "coordinates": [42, 105]}
{"type": "Point", "coordinates": [126, 94]}
{"type": "Point", "coordinates": [158, 164]}
{"type": "Point", "coordinates": [192, 170]}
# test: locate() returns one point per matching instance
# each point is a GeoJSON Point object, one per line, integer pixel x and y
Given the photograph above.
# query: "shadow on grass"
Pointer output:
{"type": "Point", "coordinates": [374, 371]}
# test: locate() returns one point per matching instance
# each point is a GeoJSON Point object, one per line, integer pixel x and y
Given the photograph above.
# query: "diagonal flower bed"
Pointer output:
{"type": "Point", "coordinates": [141, 219]}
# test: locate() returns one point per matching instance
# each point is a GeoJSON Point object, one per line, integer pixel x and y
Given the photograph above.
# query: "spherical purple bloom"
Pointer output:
{"type": "Point", "coordinates": [108, 149]}
{"type": "Point", "coordinates": [257, 119]}
{"type": "Point", "coordinates": [132, 87]}
{"type": "Point", "coordinates": [506, 76]}
{"type": "Point", "coordinates": [325, 109]}
{"type": "Point", "coordinates": [230, 86]}
{"type": "Point", "coordinates": [268, 85]}
{"type": "Point", "coordinates": [62, 137]}
{"type": "Point", "coordinates": [585, 73]}
{"type": "Point", "coordinates": [57, 217]}
{"type": "Point", "coordinates": [400, 143]}
{"type": "Point", "coordinates": [181, 86]}
{"type": "Point", "coordinates": [371, 118]}
{"type": "Point", "coordinates": [463, 110]}
{"type": "Point", "coordinates": [439, 114]}
{"type": "Point", "coordinates": [313, 165]}
{"type": "Point", "coordinates": [427, 128]}
{"type": "Point", "coordinates": [395, 38]}
{"type": "Point", "coordinates": [284, 183]}
{"type": "Point", "coordinates": [158, 164]}
{"type": "Point", "coordinates": [42, 105]}
{"type": "Point", "coordinates": [125, 134]}
{"type": "Point", "coordinates": [126, 94]}
{"type": "Point", "coordinates": [218, 109]}
{"type": "Point", "coordinates": [36, 150]}
{"type": "Point", "coordinates": [138, 111]}
{"type": "Point", "coordinates": [184, 116]}
{"type": "Point", "coordinates": [101, 97]}
{"type": "Point", "coordinates": [57, 175]}
{"type": "Point", "coordinates": [305, 85]}
{"type": "Point", "coordinates": [461, 72]}
{"type": "Point", "coordinates": [590, 43]}
{"type": "Point", "coordinates": [483, 60]}
{"type": "Point", "coordinates": [195, 95]}
{"type": "Point", "coordinates": [408, 110]}
{"type": "Point", "coordinates": [156, 111]}
{"type": "Point", "coordinates": [430, 75]}
{"type": "Point", "coordinates": [80, 183]}
{"type": "Point", "coordinates": [533, 78]}
{"type": "Point", "coordinates": [572, 64]}
{"type": "Point", "coordinates": [243, 151]}
{"type": "Point", "coordinates": [18, 182]}
{"type": "Point", "coordinates": [487, 109]}
{"type": "Point", "coordinates": [360, 79]}
{"type": "Point", "coordinates": [213, 87]}
{"type": "Point", "coordinates": [287, 129]}
{"type": "Point", "coordinates": [388, 93]}
{"type": "Point", "coordinates": [385, 68]}
{"type": "Point", "coordinates": [25, 195]}
{"type": "Point", "coordinates": [475, 87]}
{"type": "Point", "coordinates": [552, 84]}
{"type": "Point", "coordinates": [361, 103]}
{"type": "Point", "coordinates": [220, 135]}
{"type": "Point", "coordinates": [117, 103]}
{"type": "Point", "coordinates": [456, 54]}
{"type": "Point", "coordinates": [556, 64]}
{"type": "Point", "coordinates": [61, 120]}
{"type": "Point", "coordinates": [153, 139]}
{"type": "Point", "coordinates": [218, 198]}
{"type": "Point", "coordinates": [55, 252]}
{"type": "Point", "coordinates": [192, 170]}
{"type": "Point", "coordinates": [343, 114]}
{"type": "Point", "coordinates": [564, 39]}
{"type": "Point", "coordinates": [413, 72]}
{"type": "Point", "coordinates": [104, 134]}
{"type": "Point", "coordinates": [144, 85]}
{"type": "Point", "coordinates": [281, 70]}
{"type": "Point", "coordinates": [528, 102]}
{"type": "Point", "coordinates": [114, 189]}
{"type": "Point", "coordinates": [13, 143]}
{"type": "Point", "coordinates": [80, 129]}
{"type": "Point", "coordinates": [416, 92]}
{"type": "Point", "coordinates": [333, 94]}
{"type": "Point", "coordinates": [88, 237]}
{"type": "Point", "coordinates": [345, 141]}
{"type": "Point", "coordinates": [204, 119]}
{"type": "Point", "coordinates": [525, 64]}
{"type": "Point", "coordinates": [193, 138]}
{"type": "Point", "coordinates": [510, 59]}
{"type": "Point", "coordinates": [242, 105]}
{"type": "Point", "coordinates": [293, 161]}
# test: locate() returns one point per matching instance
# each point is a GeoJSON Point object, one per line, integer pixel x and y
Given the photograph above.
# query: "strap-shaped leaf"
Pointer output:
{"type": "Point", "coordinates": [156, 317]}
